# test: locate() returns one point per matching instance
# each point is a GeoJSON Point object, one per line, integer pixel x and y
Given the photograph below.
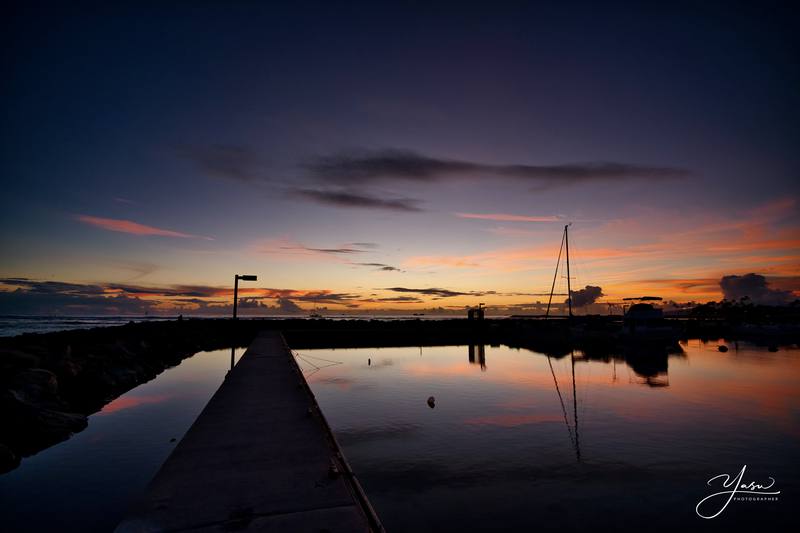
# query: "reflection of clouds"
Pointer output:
{"type": "Point", "coordinates": [385, 362]}
{"type": "Point", "coordinates": [376, 433]}
{"type": "Point", "coordinates": [342, 383]}
{"type": "Point", "coordinates": [127, 402]}
{"type": "Point", "coordinates": [513, 420]}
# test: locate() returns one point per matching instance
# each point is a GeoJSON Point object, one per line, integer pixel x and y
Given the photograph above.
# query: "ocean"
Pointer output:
{"type": "Point", "coordinates": [12, 325]}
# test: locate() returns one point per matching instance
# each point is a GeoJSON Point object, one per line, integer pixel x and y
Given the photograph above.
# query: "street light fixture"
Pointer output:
{"type": "Point", "coordinates": [236, 278]}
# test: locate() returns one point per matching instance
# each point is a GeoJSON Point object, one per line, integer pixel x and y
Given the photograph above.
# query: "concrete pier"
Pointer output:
{"type": "Point", "coordinates": [259, 457]}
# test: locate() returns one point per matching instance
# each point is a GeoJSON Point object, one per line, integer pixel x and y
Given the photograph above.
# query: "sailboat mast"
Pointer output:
{"type": "Point", "coordinates": [569, 287]}
{"type": "Point", "coordinates": [555, 275]}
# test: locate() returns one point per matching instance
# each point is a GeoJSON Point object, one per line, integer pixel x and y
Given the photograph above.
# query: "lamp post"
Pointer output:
{"type": "Point", "coordinates": [236, 279]}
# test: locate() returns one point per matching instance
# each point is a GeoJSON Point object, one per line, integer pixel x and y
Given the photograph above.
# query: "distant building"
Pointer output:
{"type": "Point", "coordinates": [476, 313]}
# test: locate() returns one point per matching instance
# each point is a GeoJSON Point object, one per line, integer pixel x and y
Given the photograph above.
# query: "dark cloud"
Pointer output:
{"type": "Point", "coordinates": [348, 198]}
{"type": "Point", "coordinates": [48, 297]}
{"type": "Point", "coordinates": [756, 288]}
{"type": "Point", "coordinates": [439, 293]}
{"type": "Point", "coordinates": [198, 291]}
{"type": "Point", "coordinates": [334, 251]}
{"type": "Point", "coordinates": [285, 305]}
{"type": "Point", "coordinates": [362, 168]}
{"type": "Point", "coordinates": [32, 287]}
{"type": "Point", "coordinates": [32, 302]}
{"type": "Point", "coordinates": [325, 297]}
{"type": "Point", "coordinates": [586, 296]}
{"type": "Point", "coordinates": [395, 299]}
{"type": "Point", "coordinates": [53, 287]}
{"type": "Point", "coordinates": [346, 249]}
{"type": "Point", "coordinates": [226, 161]}
{"type": "Point", "coordinates": [380, 266]}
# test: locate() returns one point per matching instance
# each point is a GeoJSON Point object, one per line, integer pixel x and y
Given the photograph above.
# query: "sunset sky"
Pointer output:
{"type": "Point", "coordinates": [401, 156]}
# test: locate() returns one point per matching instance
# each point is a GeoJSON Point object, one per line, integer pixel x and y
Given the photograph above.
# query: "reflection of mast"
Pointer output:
{"type": "Point", "coordinates": [561, 399]}
{"type": "Point", "coordinates": [575, 405]}
{"type": "Point", "coordinates": [574, 440]}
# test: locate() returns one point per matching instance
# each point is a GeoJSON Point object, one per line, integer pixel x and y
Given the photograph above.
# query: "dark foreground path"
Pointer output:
{"type": "Point", "coordinates": [259, 457]}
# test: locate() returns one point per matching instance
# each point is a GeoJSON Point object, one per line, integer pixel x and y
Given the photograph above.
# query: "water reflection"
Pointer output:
{"type": "Point", "coordinates": [86, 483]}
{"type": "Point", "coordinates": [481, 351]}
{"type": "Point", "coordinates": [559, 440]}
{"type": "Point", "coordinates": [573, 437]}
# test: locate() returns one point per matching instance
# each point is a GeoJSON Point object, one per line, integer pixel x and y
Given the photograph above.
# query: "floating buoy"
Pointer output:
{"type": "Point", "coordinates": [431, 402]}
{"type": "Point", "coordinates": [722, 348]}
{"type": "Point", "coordinates": [369, 362]}
{"type": "Point", "coordinates": [772, 348]}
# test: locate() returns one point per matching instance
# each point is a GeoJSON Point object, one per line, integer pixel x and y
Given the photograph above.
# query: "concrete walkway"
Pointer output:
{"type": "Point", "coordinates": [259, 457]}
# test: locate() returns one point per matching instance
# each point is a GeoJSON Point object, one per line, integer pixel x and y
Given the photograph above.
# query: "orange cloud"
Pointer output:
{"type": "Point", "coordinates": [134, 228]}
{"type": "Point", "coordinates": [653, 250]}
{"type": "Point", "coordinates": [512, 259]}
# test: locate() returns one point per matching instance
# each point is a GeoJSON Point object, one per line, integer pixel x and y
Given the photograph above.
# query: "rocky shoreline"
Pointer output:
{"type": "Point", "coordinates": [50, 383]}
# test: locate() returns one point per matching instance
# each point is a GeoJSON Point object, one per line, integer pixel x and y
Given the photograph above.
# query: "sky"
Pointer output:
{"type": "Point", "coordinates": [405, 156]}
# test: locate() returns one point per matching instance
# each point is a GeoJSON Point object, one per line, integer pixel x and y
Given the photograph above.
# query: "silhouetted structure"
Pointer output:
{"type": "Point", "coordinates": [564, 240]}
{"type": "Point", "coordinates": [641, 316]}
{"type": "Point", "coordinates": [236, 278]}
{"type": "Point", "coordinates": [476, 313]}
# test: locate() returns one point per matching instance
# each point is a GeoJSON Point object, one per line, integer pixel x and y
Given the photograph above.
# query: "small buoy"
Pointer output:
{"type": "Point", "coordinates": [369, 362]}
{"type": "Point", "coordinates": [431, 402]}
{"type": "Point", "coordinates": [172, 439]}
{"type": "Point", "coordinates": [722, 348]}
{"type": "Point", "coordinates": [772, 348]}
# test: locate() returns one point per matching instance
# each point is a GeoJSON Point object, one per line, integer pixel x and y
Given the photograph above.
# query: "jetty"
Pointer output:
{"type": "Point", "coordinates": [260, 456]}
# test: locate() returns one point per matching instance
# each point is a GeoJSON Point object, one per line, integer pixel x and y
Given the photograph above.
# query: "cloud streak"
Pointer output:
{"type": "Point", "coordinates": [504, 217]}
{"type": "Point", "coordinates": [438, 293]}
{"type": "Point", "coordinates": [359, 168]}
{"type": "Point", "coordinates": [361, 200]}
{"type": "Point", "coordinates": [380, 266]}
{"type": "Point", "coordinates": [290, 247]}
{"type": "Point", "coordinates": [134, 228]}
{"type": "Point", "coordinates": [28, 296]}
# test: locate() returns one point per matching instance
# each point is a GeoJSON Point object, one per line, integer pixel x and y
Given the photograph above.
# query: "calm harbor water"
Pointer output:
{"type": "Point", "coordinates": [87, 482]}
{"type": "Point", "coordinates": [507, 445]}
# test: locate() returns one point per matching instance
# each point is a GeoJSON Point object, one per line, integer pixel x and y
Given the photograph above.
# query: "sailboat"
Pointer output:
{"type": "Point", "coordinates": [564, 241]}
{"type": "Point", "coordinates": [642, 322]}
